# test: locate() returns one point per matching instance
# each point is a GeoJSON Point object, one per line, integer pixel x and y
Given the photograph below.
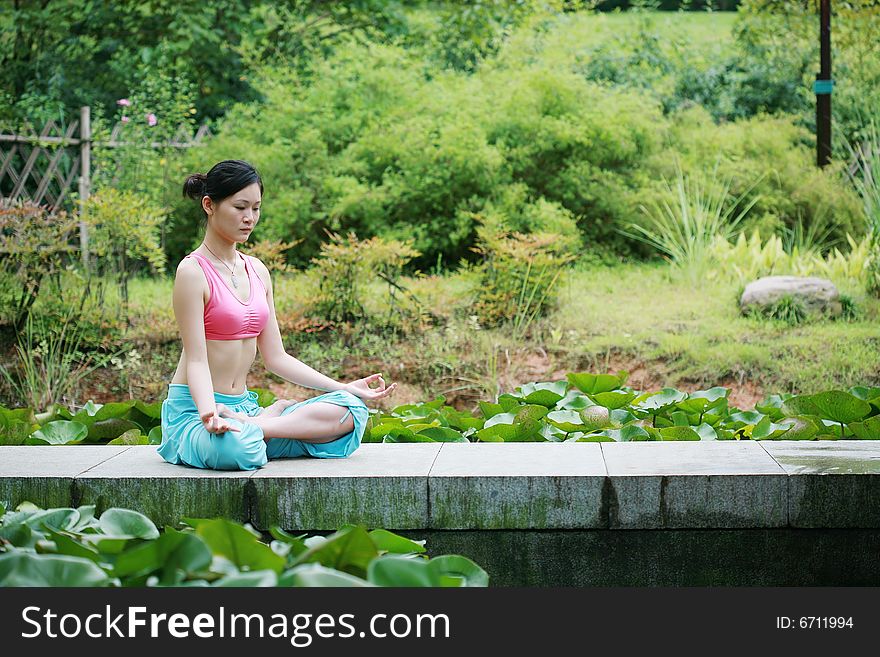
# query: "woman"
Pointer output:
{"type": "Point", "coordinates": [225, 310]}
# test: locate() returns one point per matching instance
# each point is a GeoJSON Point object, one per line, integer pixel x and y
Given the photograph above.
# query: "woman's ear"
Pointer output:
{"type": "Point", "coordinates": [207, 205]}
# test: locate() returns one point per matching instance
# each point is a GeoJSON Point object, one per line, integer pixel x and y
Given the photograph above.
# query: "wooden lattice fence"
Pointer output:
{"type": "Point", "coordinates": [44, 167]}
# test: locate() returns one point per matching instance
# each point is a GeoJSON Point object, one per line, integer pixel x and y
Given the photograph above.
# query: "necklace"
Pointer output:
{"type": "Point", "coordinates": [231, 269]}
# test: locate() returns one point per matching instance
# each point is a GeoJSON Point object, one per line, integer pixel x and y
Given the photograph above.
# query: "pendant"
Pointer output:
{"type": "Point", "coordinates": [234, 282]}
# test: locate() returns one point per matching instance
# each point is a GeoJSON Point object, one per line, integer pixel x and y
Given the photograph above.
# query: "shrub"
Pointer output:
{"type": "Point", "coordinates": [271, 254]}
{"type": "Point", "coordinates": [792, 190]}
{"type": "Point", "coordinates": [344, 268]}
{"type": "Point", "coordinates": [123, 231]}
{"type": "Point", "coordinates": [517, 277]}
{"type": "Point", "coordinates": [35, 248]}
{"type": "Point", "coordinates": [750, 258]}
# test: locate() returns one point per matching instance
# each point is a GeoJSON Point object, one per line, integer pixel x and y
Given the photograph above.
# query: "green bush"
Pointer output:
{"type": "Point", "coordinates": [517, 277]}
{"type": "Point", "coordinates": [792, 190]}
{"type": "Point", "coordinates": [343, 270]}
{"type": "Point", "coordinates": [35, 249]}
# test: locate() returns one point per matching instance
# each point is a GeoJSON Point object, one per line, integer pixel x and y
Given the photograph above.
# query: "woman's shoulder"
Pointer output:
{"type": "Point", "coordinates": [260, 268]}
{"type": "Point", "coordinates": [190, 274]}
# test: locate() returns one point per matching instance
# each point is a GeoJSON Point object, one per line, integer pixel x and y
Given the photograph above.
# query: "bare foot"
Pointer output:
{"type": "Point", "coordinates": [274, 409]}
{"type": "Point", "coordinates": [224, 411]}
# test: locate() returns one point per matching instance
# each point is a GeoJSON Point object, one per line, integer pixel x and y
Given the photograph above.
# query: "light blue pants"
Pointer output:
{"type": "Point", "coordinates": [185, 439]}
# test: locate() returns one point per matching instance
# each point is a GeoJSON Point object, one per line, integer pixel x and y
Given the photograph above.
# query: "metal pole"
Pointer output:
{"type": "Point", "coordinates": [823, 87]}
{"type": "Point", "coordinates": [85, 150]}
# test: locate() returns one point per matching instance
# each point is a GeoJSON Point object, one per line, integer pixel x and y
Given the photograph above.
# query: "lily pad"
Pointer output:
{"type": "Point", "coordinates": [59, 432]}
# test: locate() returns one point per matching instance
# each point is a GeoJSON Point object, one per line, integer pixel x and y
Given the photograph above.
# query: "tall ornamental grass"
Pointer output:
{"type": "Point", "coordinates": [864, 177]}
{"type": "Point", "coordinates": [686, 220]}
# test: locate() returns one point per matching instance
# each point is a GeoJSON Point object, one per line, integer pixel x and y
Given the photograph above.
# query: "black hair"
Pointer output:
{"type": "Point", "coordinates": [222, 181]}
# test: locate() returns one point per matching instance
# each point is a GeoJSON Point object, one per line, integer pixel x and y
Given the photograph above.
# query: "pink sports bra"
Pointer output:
{"type": "Point", "coordinates": [226, 316]}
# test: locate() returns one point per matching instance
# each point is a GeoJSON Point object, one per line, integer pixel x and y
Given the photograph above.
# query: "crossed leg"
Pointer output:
{"type": "Point", "coordinates": [317, 422]}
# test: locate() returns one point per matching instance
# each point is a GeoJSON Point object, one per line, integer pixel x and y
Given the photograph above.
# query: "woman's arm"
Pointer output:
{"type": "Point", "coordinates": [189, 309]}
{"type": "Point", "coordinates": [276, 359]}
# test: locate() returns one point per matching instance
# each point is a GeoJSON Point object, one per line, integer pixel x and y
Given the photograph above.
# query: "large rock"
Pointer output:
{"type": "Point", "coordinates": [818, 295]}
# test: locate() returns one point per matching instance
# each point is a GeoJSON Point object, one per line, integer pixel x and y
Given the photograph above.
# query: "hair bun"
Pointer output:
{"type": "Point", "coordinates": [194, 187]}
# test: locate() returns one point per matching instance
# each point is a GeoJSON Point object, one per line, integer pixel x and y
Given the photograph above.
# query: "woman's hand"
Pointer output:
{"type": "Point", "coordinates": [362, 389]}
{"type": "Point", "coordinates": [213, 423]}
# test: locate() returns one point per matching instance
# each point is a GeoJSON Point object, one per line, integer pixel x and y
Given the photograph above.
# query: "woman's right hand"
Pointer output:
{"type": "Point", "coordinates": [213, 423]}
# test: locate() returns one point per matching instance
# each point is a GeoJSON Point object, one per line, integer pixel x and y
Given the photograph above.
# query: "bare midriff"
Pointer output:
{"type": "Point", "coordinates": [229, 362]}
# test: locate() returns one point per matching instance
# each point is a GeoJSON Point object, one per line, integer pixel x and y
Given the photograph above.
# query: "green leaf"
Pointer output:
{"type": "Point", "coordinates": [800, 405]}
{"type": "Point", "coordinates": [28, 569]}
{"type": "Point", "coordinates": [387, 425]}
{"type": "Point", "coordinates": [615, 399]}
{"type": "Point", "coordinates": [697, 402]}
{"type": "Point", "coordinates": [865, 393]}
{"type": "Point", "coordinates": [239, 545]}
{"type": "Point", "coordinates": [706, 432]}
{"type": "Point", "coordinates": [59, 432]}
{"type": "Point", "coordinates": [768, 430]}
{"type": "Point", "coordinates": [155, 436]}
{"type": "Point", "coordinates": [625, 434]}
{"type": "Point", "coordinates": [314, 574]}
{"type": "Point", "coordinates": [574, 400]}
{"type": "Point", "coordinates": [773, 406]}
{"type": "Point", "coordinates": [66, 543]}
{"type": "Point", "coordinates": [678, 433]}
{"type": "Point", "coordinates": [131, 437]}
{"type": "Point", "coordinates": [106, 430]}
{"type": "Point", "coordinates": [566, 420]}
{"type": "Point", "coordinates": [867, 429]}
{"type": "Point", "coordinates": [350, 550]}
{"type": "Point", "coordinates": [596, 383]}
{"type": "Point", "coordinates": [454, 565]}
{"type": "Point", "coordinates": [264, 397]}
{"type": "Point", "coordinates": [509, 403]}
{"type": "Point", "coordinates": [153, 410]}
{"type": "Point", "coordinates": [86, 517]}
{"type": "Point", "coordinates": [173, 552]}
{"type": "Point", "coordinates": [250, 579]}
{"type": "Point", "coordinates": [659, 400]}
{"type": "Point", "coordinates": [113, 409]}
{"type": "Point", "coordinates": [296, 543]}
{"type": "Point", "coordinates": [799, 428]}
{"type": "Point", "coordinates": [679, 419]}
{"type": "Point", "coordinates": [128, 523]}
{"type": "Point", "coordinates": [489, 410]}
{"type": "Point", "coordinates": [840, 406]}
{"type": "Point", "coordinates": [17, 425]}
{"type": "Point", "coordinates": [387, 541]}
{"type": "Point", "coordinates": [443, 435]}
{"type": "Point", "coordinates": [745, 418]}
{"type": "Point", "coordinates": [544, 394]}
{"type": "Point", "coordinates": [404, 435]}
{"type": "Point", "coordinates": [394, 570]}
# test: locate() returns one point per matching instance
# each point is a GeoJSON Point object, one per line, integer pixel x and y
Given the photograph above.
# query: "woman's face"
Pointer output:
{"type": "Point", "coordinates": [235, 217]}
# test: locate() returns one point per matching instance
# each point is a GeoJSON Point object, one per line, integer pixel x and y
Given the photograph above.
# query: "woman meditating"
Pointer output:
{"type": "Point", "coordinates": [225, 310]}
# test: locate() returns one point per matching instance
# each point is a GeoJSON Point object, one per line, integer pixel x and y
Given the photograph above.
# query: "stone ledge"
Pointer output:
{"type": "Point", "coordinates": [449, 486]}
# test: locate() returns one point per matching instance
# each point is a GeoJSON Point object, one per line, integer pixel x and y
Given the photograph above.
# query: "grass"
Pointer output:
{"type": "Point", "coordinates": [698, 334]}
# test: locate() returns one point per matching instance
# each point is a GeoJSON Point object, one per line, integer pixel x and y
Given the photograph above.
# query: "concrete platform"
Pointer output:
{"type": "Point", "coordinates": [453, 486]}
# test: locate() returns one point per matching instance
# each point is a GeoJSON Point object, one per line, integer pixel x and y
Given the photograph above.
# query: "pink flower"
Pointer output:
{"type": "Point", "coordinates": [125, 119]}
{"type": "Point", "coordinates": [125, 102]}
{"type": "Point", "coordinates": [151, 119]}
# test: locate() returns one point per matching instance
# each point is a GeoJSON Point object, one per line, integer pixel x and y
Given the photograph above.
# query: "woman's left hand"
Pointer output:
{"type": "Point", "coordinates": [362, 389]}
